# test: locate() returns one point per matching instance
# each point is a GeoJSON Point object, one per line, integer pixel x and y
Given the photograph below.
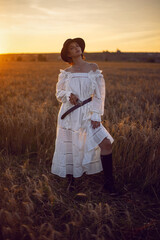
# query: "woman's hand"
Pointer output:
{"type": "Point", "coordinates": [95, 124]}
{"type": "Point", "coordinates": [73, 99]}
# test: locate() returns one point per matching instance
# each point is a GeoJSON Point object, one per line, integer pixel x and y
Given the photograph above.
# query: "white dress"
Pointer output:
{"type": "Point", "coordinates": [76, 146]}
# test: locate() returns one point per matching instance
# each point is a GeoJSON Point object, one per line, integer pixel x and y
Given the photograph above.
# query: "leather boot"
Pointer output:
{"type": "Point", "coordinates": [71, 182]}
{"type": "Point", "coordinates": [108, 174]}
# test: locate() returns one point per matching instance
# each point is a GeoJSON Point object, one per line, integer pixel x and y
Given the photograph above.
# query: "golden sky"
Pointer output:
{"type": "Point", "coordinates": [44, 25]}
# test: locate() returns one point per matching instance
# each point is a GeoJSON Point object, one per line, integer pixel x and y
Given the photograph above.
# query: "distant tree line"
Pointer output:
{"type": "Point", "coordinates": [105, 55]}
{"type": "Point", "coordinates": [40, 58]}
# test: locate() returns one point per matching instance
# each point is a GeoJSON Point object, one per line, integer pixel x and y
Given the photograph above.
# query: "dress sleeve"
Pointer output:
{"type": "Point", "coordinates": [97, 106]}
{"type": "Point", "coordinates": [62, 93]}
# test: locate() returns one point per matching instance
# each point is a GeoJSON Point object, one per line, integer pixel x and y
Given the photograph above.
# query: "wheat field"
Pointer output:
{"type": "Point", "coordinates": [35, 204]}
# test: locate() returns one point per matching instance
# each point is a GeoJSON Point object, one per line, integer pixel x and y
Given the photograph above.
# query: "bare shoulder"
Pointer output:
{"type": "Point", "coordinates": [67, 69]}
{"type": "Point", "coordinates": [94, 66]}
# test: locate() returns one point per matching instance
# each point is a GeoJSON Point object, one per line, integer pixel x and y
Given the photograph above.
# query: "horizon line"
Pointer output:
{"type": "Point", "coordinates": [84, 52]}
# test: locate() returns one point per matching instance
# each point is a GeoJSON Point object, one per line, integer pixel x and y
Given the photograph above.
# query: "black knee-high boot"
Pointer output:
{"type": "Point", "coordinates": [108, 173]}
{"type": "Point", "coordinates": [71, 181]}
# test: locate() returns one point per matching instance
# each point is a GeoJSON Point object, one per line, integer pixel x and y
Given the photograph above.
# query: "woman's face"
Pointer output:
{"type": "Point", "coordinates": [74, 50]}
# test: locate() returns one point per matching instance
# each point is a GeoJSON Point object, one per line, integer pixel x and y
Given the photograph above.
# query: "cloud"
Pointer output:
{"type": "Point", "coordinates": [47, 11]}
{"type": "Point", "coordinates": [131, 36]}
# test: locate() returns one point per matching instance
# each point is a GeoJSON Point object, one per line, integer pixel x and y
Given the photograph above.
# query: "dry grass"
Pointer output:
{"type": "Point", "coordinates": [38, 205]}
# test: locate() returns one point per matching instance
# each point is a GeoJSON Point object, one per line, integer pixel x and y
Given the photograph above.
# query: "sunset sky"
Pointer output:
{"type": "Point", "coordinates": [43, 26]}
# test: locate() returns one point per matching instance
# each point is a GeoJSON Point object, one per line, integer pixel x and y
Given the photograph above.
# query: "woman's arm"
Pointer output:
{"type": "Point", "coordinates": [98, 98]}
{"type": "Point", "coordinates": [62, 94]}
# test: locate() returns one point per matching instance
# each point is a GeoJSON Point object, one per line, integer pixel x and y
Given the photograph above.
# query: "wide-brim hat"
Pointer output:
{"type": "Point", "coordinates": [80, 42]}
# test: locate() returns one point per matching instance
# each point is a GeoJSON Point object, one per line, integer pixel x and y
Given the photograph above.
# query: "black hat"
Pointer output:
{"type": "Point", "coordinates": [80, 42]}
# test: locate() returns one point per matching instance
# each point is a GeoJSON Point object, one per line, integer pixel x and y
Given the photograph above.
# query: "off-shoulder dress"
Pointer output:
{"type": "Point", "coordinates": [77, 148]}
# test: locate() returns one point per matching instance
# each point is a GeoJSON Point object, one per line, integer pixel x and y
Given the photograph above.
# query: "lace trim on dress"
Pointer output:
{"type": "Point", "coordinates": [98, 71]}
{"type": "Point", "coordinates": [93, 75]}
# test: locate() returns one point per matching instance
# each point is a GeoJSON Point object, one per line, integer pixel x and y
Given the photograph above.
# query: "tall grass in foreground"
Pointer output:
{"type": "Point", "coordinates": [36, 206]}
{"type": "Point", "coordinates": [34, 203]}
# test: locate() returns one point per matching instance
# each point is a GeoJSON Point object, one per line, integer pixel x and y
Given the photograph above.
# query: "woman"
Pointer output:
{"type": "Point", "coordinates": [82, 143]}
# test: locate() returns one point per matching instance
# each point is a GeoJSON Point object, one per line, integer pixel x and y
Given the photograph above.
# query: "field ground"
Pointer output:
{"type": "Point", "coordinates": [35, 204]}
